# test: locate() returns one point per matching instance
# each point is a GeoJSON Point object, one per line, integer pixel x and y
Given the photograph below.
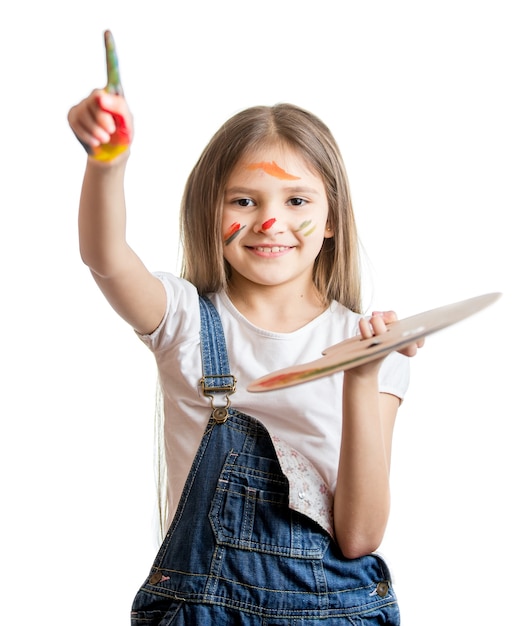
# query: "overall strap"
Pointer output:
{"type": "Point", "coordinates": [217, 381]}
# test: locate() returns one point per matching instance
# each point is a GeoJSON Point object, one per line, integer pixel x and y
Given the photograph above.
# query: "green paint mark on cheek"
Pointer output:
{"type": "Point", "coordinates": [304, 226]}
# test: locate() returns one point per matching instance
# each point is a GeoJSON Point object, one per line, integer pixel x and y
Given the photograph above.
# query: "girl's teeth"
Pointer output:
{"type": "Point", "coordinates": [273, 249]}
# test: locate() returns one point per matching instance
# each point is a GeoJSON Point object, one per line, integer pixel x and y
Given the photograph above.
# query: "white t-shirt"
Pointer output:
{"type": "Point", "coordinates": [307, 416]}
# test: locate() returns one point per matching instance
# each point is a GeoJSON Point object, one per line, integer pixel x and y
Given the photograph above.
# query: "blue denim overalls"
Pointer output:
{"type": "Point", "coordinates": [235, 553]}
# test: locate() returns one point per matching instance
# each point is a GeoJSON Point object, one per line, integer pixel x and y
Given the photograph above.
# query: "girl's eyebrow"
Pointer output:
{"type": "Point", "coordinates": [291, 190]}
{"type": "Point", "coordinates": [302, 189]}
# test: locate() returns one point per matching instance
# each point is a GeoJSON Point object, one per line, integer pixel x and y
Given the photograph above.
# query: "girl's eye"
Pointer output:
{"type": "Point", "coordinates": [244, 202]}
{"type": "Point", "coordinates": [297, 201]}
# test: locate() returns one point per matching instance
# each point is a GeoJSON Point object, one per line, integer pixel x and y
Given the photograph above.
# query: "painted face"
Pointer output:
{"type": "Point", "coordinates": [275, 213]}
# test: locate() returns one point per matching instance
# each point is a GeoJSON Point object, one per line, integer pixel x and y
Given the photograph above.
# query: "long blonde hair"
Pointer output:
{"type": "Point", "coordinates": [336, 272]}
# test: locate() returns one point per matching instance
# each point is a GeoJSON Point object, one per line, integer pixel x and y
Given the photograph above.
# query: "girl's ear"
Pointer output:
{"type": "Point", "coordinates": [328, 231]}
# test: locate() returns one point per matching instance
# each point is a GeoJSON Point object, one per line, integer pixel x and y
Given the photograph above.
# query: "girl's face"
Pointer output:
{"type": "Point", "coordinates": [275, 213]}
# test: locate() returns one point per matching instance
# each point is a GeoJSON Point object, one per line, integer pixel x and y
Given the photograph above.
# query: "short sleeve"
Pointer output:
{"type": "Point", "coordinates": [181, 318]}
{"type": "Point", "coordinates": [394, 375]}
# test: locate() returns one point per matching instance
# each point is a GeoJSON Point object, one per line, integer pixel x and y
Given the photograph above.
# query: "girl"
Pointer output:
{"type": "Point", "coordinates": [276, 502]}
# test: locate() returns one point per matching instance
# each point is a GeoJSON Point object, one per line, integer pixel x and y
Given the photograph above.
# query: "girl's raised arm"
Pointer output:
{"type": "Point", "coordinates": [103, 124]}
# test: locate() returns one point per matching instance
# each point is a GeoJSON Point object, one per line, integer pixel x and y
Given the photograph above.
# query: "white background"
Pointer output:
{"type": "Point", "coordinates": [427, 102]}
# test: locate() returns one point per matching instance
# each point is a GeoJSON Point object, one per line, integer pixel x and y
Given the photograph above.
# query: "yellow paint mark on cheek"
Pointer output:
{"type": "Point", "coordinates": [273, 169]}
{"type": "Point", "coordinates": [306, 228]}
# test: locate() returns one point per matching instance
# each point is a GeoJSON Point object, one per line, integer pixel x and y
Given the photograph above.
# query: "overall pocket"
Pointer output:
{"type": "Point", "coordinates": [250, 510]}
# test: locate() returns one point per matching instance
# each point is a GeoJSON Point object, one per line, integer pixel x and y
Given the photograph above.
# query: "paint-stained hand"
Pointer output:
{"type": "Point", "coordinates": [102, 122]}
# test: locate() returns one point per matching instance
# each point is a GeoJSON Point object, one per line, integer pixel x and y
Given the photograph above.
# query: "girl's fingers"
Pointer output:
{"type": "Point", "coordinates": [388, 316]}
{"type": "Point", "coordinates": [91, 124]}
{"type": "Point", "coordinates": [365, 328]}
{"type": "Point", "coordinates": [114, 111]}
{"type": "Point", "coordinates": [378, 323]}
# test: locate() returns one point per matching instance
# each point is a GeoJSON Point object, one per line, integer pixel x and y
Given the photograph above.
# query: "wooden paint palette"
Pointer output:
{"type": "Point", "coordinates": [357, 351]}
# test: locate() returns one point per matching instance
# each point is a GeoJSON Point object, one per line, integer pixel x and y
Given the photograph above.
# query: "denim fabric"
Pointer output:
{"type": "Point", "coordinates": [236, 553]}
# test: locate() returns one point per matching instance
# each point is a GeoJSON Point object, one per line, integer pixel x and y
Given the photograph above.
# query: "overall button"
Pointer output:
{"type": "Point", "coordinates": [220, 415]}
{"type": "Point", "coordinates": [382, 588]}
{"type": "Point", "coordinates": [155, 578]}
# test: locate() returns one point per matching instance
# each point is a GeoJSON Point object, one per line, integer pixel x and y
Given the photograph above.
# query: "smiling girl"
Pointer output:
{"type": "Point", "coordinates": [276, 505]}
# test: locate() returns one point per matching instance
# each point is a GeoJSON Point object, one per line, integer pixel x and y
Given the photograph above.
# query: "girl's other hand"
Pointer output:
{"type": "Point", "coordinates": [377, 324]}
{"type": "Point", "coordinates": [373, 326]}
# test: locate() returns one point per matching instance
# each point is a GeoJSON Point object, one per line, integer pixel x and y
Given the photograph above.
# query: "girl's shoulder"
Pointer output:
{"type": "Point", "coordinates": [181, 317]}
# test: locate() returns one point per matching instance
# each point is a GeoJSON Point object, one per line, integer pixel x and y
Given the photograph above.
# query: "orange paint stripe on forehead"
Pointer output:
{"type": "Point", "coordinates": [273, 169]}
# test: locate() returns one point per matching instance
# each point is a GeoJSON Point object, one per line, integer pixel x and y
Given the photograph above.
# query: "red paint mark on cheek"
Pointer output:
{"type": "Point", "coordinates": [268, 224]}
{"type": "Point", "coordinates": [233, 232]}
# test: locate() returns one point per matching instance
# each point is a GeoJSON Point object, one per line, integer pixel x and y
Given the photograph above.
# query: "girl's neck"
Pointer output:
{"type": "Point", "coordinates": [276, 308]}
